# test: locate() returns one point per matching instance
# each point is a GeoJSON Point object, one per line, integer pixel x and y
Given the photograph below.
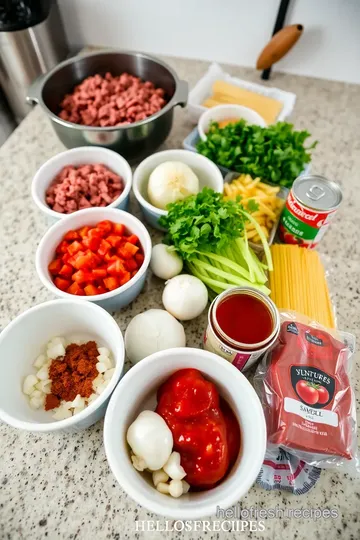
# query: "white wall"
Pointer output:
{"type": "Point", "coordinates": [229, 31]}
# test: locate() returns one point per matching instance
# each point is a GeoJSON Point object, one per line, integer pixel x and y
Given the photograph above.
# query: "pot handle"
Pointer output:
{"type": "Point", "coordinates": [181, 93]}
{"type": "Point", "coordinates": [34, 90]}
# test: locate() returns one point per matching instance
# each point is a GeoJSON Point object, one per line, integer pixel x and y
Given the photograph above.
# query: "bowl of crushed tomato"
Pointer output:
{"type": "Point", "coordinates": [99, 254]}
{"type": "Point", "coordinates": [144, 387]}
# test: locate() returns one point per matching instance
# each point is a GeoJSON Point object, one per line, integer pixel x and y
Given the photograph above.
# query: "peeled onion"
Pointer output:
{"type": "Point", "coordinates": [171, 181]}
{"type": "Point", "coordinates": [185, 297]}
{"type": "Point", "coordinates": [152, 331]}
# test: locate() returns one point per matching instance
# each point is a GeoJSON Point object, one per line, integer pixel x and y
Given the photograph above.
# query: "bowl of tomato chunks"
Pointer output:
{"type": "Point", "coordinates": [99, 254]}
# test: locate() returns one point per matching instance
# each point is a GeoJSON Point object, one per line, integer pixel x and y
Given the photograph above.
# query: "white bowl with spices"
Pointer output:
{"type": "Point", "coordinates": [137, 392]}
{"type": "Point", "coordinates": [77, 157]}
{"type": "Point", "coordinates": [23, 340]}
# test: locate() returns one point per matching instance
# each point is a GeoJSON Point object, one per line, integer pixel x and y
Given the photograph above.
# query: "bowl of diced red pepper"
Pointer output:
{"type": "Point", "coordinates": [98, 254]}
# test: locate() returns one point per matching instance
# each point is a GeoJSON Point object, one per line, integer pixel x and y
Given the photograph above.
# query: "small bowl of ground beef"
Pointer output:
{"type": "Point", "coordinates": [81, 178]}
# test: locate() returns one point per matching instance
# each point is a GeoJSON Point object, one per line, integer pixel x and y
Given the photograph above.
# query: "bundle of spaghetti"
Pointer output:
{"type": "Point", "coordinates": [298, 283]}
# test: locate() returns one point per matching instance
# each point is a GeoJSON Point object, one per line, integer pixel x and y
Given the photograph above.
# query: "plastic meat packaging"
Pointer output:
{"type": "Point", "coordinates": [304, 385]}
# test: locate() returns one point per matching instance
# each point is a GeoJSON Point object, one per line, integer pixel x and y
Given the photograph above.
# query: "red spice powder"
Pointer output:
{"type": "Point", "coordinates": [72, 374]}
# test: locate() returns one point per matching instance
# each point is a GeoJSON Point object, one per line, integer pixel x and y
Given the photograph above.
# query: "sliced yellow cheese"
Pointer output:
{"type": "Point", "coordinates": [224, 92]}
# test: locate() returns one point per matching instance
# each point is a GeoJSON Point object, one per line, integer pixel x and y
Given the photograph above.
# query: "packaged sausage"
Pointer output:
{"type": "Point", "coordinates": [308, 401]}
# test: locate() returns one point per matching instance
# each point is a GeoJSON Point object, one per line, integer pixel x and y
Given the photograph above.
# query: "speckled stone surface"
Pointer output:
{"type": "Point", "coordinates": [60, 486]}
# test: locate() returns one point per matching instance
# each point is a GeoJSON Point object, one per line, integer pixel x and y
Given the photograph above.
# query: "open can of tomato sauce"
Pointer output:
{"type": "Point", "coordinates": [242, 324]}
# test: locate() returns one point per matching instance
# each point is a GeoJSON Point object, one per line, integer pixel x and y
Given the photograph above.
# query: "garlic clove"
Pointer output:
{"type": "Point", "coordinates": [43, 373]}
{"type": "Point", "coordinates": [175, 488]}
{"type": "Point", "coordinates": [185, 486]}
{"type": "Point", "coordinates": [163, 488]}
{"type": "Point", "coordinates": [103, 351]}
{"type": "Point", "coordinates": [29, 384]}
{"type": "Point", "coordinates": [55, 351]}
{"type": "Point", "coordinates": [109, 373]}
{"type": "Point", "coordinates": [78, 402]}
{"type": "Point", "coordinates": [101, 367]}
{"type": "Point", "coordinates": [36, 403]}
{"type": "Point", "coordinates": [61, 413]}
{"type": "Point", "coordinates": [138, 463]}
{"type": "Point", "coordinates": [92, 398]}
{"type": "Point", "coordinates": [173, 468]}
{"type": "Point", "coordinates": [159, 476]}
{"type": "Point", "coordinates": [39, 361]}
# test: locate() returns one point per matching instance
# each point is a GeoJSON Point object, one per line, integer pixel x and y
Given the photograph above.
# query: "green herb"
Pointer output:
{"type": "Point", "coordinates": [276, 153]}
{"type": "Point", "coordinates": [209, 233]}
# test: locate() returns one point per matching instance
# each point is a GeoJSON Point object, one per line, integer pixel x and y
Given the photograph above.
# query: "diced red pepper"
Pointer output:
{"type": "Point", "coordinates": [83, 231]}
{"type": "Point", "coordinates": [92, 242]}
{"type": "Point", "coordinates": [101, 289]}
{"type": "Point", "coordinates": [82, 277]}
{"type": "Point", "coordinates": [111, 283]}
{"type": "Point", "coordinates": [119, 229]}
{"type": "Point", "coordinates": [128, 250]}
{"type": "Point", "coordinates": [74, 288]}
{"type": "Point", "coordinates": [133, 239]}
{"type": "Point", "coordinates": [74, 247]}
{"type": "Point", "coordinates": [66, 270]}
{"type": "Point", "coordinates": [72, 235]}
{"type": "Point", "coordinates": [103, 248]}
{"type": "Point", "coordinates": [62, 247]}
{"type": "Point", "coordinates": [90, 290]}
{"type": "Point", "coordinates": [134, 273]}
{"type": "Point", "coordinates": [116, 268]}
{"type": "Point", "coordinates": [126, 277]}
{"type": "Point", "coordinates": [86, 261]}
{"type": "Point", "coordinates": [96, 233]}
{"type": "Point", "coordinates": [105, 225]}
{"type": "Point", "coordinates": [114, 240]}
{"type": "Point", "coordinates": [55, 266]}
{"type": "Point", "coordinates": [99, 273]}
{"type": "Point", "coordinates": [131, 265]}
{"type": "Point", "coordinates": [62, 284]}
{"type": "Point", "coordinates": [139, 258]}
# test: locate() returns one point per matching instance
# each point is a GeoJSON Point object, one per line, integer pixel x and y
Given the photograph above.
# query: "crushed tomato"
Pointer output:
{"type": "Point", "coordinates": [205, 430]}
{"type": "Point", "coordinates": [95, 260]}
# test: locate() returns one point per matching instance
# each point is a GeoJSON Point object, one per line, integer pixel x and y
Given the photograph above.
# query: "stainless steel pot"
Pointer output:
{"type": "Point", "coordinates": [133, 141]}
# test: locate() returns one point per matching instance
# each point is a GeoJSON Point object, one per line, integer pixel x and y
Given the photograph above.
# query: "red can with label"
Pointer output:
{"type": "Point", "coordinates": [310, 207]}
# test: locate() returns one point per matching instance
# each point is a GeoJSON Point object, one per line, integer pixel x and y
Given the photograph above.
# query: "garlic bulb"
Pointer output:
{"type": "Point", "coordinates": [185, 297]}
{"type": "Point", "coordinates": [171, 181]}
{"type": "Point", "coordinates": [165, 262]}
{"type": "Point", "coordinates": [152, 331]}
{"type": "Point", "coordinates": [150, 439]}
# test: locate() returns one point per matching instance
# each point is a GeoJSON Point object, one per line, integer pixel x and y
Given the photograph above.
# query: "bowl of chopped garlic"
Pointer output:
{"type": "Point", "coordinates": [61, 361]}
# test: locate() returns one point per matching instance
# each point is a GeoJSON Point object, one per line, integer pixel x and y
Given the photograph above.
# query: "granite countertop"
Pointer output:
{"type": "Point", "coordinates": [60, 486]}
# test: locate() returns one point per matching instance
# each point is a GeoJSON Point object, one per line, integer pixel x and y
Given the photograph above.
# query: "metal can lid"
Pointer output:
{"type": "Point", "coordinates": [317, 192]}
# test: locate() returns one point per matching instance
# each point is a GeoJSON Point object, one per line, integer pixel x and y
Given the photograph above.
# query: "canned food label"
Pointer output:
{"type": "Point", "coordinates": [239, 360]}
{"type": "Point", "coordinates": [302, 225]}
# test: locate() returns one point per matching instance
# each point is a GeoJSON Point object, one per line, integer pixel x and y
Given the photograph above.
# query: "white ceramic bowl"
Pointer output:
{"type": "Point", "coordinates": [224, 112]}
{"type": "Point", "coordinates": [208, 173]}
{"type": "Point", "coordinates": [137, 391]}
{"type": "Point", "coordinates": [85, 155]}
{"type": "Point", "coordinates": [25, 338]}
{"type": "Point", "coordinates": [112, 300]}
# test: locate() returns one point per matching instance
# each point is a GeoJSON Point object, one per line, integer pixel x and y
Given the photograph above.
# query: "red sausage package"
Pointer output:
{"type": "Point", "coordinates": [306, 393]}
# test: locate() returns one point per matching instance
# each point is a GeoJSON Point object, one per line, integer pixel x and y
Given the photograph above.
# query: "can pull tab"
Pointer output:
{"type": "Point", "coordinates": [315, 192]}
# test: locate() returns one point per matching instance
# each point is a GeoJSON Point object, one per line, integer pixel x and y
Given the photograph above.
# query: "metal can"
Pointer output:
{"type": "Point", "coordinates": [310, 207]}
{"type": "Point", "coordinates": [241, 355]}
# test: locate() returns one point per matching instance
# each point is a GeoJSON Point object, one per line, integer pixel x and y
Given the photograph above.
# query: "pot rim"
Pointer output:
{"type": "Point", "coordinates": [175, 100]}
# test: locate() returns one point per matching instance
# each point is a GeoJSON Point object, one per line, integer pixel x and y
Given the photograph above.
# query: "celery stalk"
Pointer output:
{"type": "Point", "coordinates": [226, 275]}
{"type": "Point", "coordinates": [226, 262]}
{"type": "Point", "coordinates": [262, 238]}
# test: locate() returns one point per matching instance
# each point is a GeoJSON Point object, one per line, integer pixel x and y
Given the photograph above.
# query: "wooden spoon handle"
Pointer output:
{"type": "Point", "coordinates": [279, 45]}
